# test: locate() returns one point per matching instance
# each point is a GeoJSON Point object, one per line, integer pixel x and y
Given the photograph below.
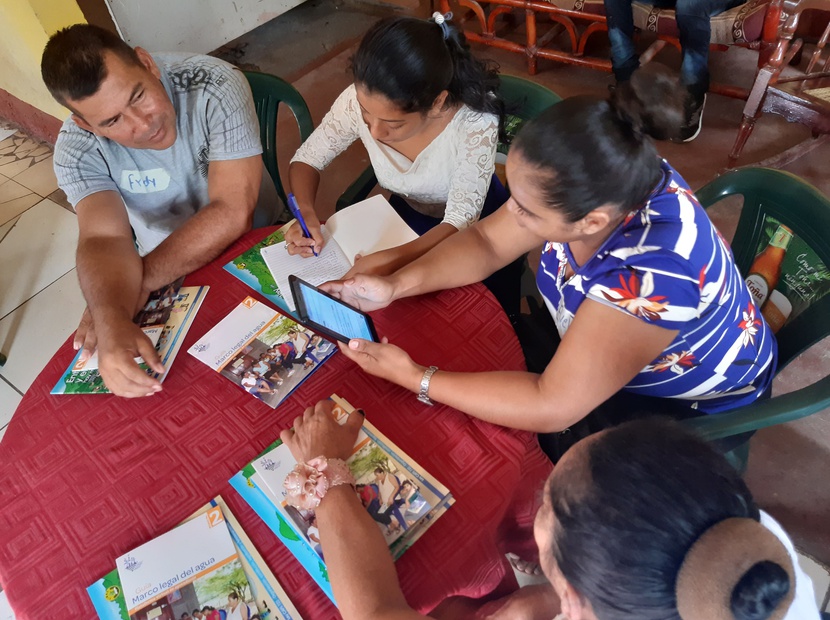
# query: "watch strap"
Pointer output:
{"type": "Point", "coordinates": [423, 393]}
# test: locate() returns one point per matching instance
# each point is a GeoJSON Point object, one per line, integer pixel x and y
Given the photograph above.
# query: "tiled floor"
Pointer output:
{"type": "Point", "coordinates": [5, 609]}
{"type": "Point", "coordinates": [40, 301]}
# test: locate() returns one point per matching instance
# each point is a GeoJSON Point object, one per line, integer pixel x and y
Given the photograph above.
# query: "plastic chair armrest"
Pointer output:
{"type": "Point", "coordinates": [358, 190]}
{"type": "Point", "coordinates": [769, 412]}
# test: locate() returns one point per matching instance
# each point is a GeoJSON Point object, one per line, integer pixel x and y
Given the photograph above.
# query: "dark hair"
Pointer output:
{"type": "Point", "coordinates": [759, 591]}
{"type": "Point", "coordinates": [653, 488]}
{"type": "Point", "coordinates": [234, 596]}
{"type": "Point", "coordinates": [592, 151]}
{"type": "Point", "coordinates": [72, 65]}
{"type": "Point", "coordinates": [409, 62]}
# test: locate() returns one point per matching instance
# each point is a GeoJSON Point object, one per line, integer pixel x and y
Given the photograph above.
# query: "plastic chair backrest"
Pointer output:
{"type": "Point", "coordinates": [773, 197]}
{"type": "Point", "coordinates": [269, 91]}
{"type": "Point", "coordinates": [524, 100]}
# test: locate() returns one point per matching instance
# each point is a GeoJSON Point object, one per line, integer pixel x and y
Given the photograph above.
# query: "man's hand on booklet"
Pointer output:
{"type": "Point", "coordinates": [316, 433]}
{"type": "Point", "coordinates": [363, 292]}
{"type": "Point", "coordinates": [86, 337]}
{"type": "Point", "coordinates": [120, 343]}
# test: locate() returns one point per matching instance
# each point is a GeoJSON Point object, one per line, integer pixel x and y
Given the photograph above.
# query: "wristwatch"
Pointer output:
{"type": "Point", "coordinates": [423, 394]}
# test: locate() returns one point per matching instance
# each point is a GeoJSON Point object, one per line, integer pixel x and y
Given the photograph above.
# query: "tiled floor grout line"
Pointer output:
{"type": "Point", "coordinates": [31, 191]}
{"type": "Point", "coordinates": [19, 215]}
{"type": "Point", "coordinates": [11, 385]}
{"type": "Point", "coordinates": [25, 301]}
{"type": "Point", "coordinates": [11, 228]}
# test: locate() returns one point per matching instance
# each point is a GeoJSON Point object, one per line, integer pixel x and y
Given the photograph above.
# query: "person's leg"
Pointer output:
{"type": "Point", "coordinates": [693, 22]}
{"type": "Point", "coordinates": [265, 386]}
{"type": "Point", "coordinates": [624, 57]}
{"type": "Point", "coordinates": [695, 31]}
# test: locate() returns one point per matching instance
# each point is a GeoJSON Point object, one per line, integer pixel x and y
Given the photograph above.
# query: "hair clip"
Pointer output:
{"type": "Point", "coordinates": [441, 19]}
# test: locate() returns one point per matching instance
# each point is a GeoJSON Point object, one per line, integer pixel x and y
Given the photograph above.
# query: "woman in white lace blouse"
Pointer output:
{"type": "Point", "coordinates": [429, 116]}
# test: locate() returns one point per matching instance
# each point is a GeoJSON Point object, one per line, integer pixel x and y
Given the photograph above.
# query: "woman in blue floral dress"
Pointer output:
{"type": "Point", "coordinates": [642, 288]}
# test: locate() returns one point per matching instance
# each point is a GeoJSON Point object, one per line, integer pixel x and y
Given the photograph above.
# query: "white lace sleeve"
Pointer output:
{"type": "Point", "coordinates": [334, 134]}
{"type": "Point", "coordinates": [470, 180]}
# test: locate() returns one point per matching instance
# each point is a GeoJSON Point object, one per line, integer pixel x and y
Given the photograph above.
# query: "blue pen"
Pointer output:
{"type": "Point", "coordinates": [295, 211]}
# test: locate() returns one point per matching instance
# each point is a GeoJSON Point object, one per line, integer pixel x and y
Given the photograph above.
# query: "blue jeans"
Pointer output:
{"type": "Point", "coordinates": [695, 32]}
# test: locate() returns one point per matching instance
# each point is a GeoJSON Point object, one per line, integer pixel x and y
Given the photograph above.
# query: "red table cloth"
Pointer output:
{"type": "Point", "coordinates": [86, 478]}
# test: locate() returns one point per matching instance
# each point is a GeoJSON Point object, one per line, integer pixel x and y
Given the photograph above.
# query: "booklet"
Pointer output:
{"type": "Point", "coordinates": [263, 352]}
{"type": "Point", "coordinates": [266, 596]}
{"type": "Point", "coordinates": [250, 267]}
{"type": "Point", "coordinates": [363, 228]}
{"type": "Point", "coordinates": [196, 562]}
{"type": "Point", "coordinates": [402, 498]}
{"type": "Point", "coordinates": [165, 319]}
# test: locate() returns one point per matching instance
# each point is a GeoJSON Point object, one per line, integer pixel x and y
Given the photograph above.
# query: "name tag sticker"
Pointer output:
{"type": "Point", "coordinates": [144, 181]}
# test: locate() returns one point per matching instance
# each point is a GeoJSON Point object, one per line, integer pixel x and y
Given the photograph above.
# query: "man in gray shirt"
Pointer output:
{"type": "Point", "coordinates": [161, 160]}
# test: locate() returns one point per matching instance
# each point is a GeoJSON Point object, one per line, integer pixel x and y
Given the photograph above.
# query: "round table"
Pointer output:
{"type": "Point", "coordinates": [85, 479]}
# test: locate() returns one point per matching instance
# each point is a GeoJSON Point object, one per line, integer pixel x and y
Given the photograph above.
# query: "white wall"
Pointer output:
{"type": "Point", "coordinates": [191, 25]}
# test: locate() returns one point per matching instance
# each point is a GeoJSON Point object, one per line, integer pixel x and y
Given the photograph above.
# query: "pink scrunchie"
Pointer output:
{"type": "Point", "coordinates": [306, 484]}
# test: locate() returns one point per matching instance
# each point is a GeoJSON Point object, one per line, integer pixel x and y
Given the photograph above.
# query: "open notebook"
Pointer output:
{"type": "Point", "coordinates": [363, 228]}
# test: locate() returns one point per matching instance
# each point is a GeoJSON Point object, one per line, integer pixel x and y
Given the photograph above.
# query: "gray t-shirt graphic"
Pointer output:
{"type": "Point", "coordinates": [216, 120]}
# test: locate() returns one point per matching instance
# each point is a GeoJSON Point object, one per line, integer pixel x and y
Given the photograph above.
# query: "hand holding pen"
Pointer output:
{"type": "Point", "coordinates": [306, 239]}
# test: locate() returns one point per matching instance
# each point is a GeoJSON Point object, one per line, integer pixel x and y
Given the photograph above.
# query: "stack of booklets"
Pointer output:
{"type": "Point", "coordinates": [363, 228]}
{"type": "Point", "coordinates": [402, 498]}
{"type": "Point", "coordinates": [165, 319]}
{"type": "Point", "coordinates": [207, 564]}
{"type": "Point", "coordinates": [263, 352]}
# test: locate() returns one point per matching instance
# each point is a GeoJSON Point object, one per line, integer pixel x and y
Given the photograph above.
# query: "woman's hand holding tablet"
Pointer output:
{"type": "Point", "coordinates": [328, 315]}
{"type": "Point", "coordinates": [363, 292]}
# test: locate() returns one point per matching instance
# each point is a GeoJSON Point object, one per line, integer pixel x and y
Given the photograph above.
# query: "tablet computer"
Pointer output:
{"type": "Point", "coordinates": [330, 316]}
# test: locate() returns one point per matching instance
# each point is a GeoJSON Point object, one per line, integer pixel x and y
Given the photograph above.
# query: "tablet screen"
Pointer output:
{"type": "Point", "coordinates": [335, 315]}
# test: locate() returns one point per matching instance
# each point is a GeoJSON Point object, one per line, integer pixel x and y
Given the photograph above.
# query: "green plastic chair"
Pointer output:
{"type": "Point", "coordinates": [806, 211]}
{"type": "Point", "coordinates": [269, 91]}
{"type": "Point", "coordinates": [525, 100]}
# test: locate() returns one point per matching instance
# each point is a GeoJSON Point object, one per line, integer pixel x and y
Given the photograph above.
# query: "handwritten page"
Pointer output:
{"type": "Point", "coordinates": [331, 264]}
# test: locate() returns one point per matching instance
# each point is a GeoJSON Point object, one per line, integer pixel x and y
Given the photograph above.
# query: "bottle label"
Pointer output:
{"type": "Point", "coordinates": [777, 310]}
{"type": "Point", "coordinates": [781, 238]}
{"type": "Point", "coordinates": [758, 287]}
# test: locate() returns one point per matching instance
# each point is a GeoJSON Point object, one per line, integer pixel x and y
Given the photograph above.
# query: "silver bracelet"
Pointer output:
{"type": "Point", "coordinates": [423, 394]}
